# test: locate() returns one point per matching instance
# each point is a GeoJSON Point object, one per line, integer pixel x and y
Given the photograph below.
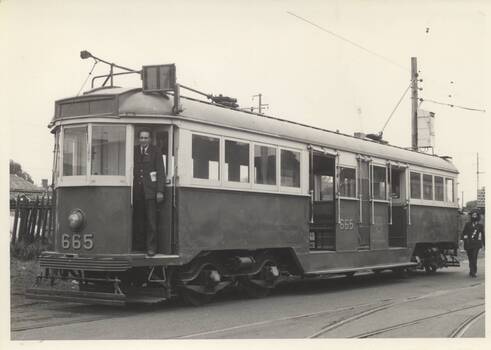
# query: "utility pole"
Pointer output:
{"type": "Point", "coordinates": [414, 103]}
{"type": "Point", "coordinates": [260, 104]}
{"type": "Point", "coordinates": [477, 171]}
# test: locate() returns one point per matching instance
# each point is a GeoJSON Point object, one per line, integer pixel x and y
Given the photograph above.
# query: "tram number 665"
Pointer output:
{"type": "Point", "coordinates": [346, 224]}
{"type": "Point", "coordinates": [77, 241]}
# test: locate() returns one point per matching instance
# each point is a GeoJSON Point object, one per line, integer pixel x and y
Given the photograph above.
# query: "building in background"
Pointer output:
{"type": "Point", "coordinates": [426, 129]}
{"type": "Point", "coordinates": [21, 187]}
{"type": "Point", "coordinates": [481, 199]}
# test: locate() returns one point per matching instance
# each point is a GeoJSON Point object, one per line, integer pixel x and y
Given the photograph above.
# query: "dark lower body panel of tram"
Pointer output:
{"type": "Point", "coordinates": [211, 239]}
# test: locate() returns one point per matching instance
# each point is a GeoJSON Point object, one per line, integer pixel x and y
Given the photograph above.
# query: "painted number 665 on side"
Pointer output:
{"type": "Point", "coordinates": [77, 241]}
{"type": "Point", "coordinates": [346, 224]}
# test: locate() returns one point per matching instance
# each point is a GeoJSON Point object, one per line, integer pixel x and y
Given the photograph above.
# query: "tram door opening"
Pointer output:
{"type": "Point", "coordinates": [160, 138]}
{"type": "Point", "coordinates": [323, 223]}
{"type": "Point", "coordinates": [398, 210]}
{"type": "Point", "coordinates": [366, 214]}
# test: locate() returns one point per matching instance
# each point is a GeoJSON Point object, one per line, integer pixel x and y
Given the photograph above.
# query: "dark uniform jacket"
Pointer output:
{"type": "Point", "coordinates": [148, 173]}
{"type": "Point", "coordinates": [473, 235]}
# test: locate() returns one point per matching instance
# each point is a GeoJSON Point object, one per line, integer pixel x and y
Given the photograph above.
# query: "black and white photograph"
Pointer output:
{"type": "Point", "coordinates": [241, 174]}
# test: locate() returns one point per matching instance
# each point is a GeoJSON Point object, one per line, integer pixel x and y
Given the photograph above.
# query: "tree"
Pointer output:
{"type": "Point", "coordinates": [16, 168]}
{"type": "Point", "coordinates": [471, 204]}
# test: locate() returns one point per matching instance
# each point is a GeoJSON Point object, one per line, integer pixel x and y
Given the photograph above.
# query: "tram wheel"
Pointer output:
{"type": "Point", "coordinates": [193, 298]}
{"type": "Point", "coordinates": [259, 285]}
{"type": "Point", "coordinates": [430, 268]}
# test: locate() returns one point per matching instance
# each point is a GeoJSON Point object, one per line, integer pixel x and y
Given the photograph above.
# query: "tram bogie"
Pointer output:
{"type": "Point", "coordinates": [249, 201]}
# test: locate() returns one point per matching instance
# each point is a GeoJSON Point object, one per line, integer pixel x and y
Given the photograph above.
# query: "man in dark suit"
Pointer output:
{"type": "Point", "coordinates": [473, 237]}
{"type": "Point", "coordinates": [148, 192]}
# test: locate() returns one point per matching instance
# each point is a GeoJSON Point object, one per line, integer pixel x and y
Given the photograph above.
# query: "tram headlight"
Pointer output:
{"type": "Point", "coordinates": [76, 219]}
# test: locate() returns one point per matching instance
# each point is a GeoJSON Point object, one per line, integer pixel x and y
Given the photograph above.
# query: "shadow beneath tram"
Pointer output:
{"type": "Point", "coordinates": [296, 287]}
{"type": "Point", "coordinates": [362, 280]}
{"type": "Point", "coordinates": [332, 284]}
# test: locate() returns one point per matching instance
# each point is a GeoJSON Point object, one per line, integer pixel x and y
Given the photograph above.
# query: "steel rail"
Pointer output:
{"type": "Point", "coordinates": [413, 322]}
{"type": "Point", "coordinates": [350, 319]}
{"type": "Point", "coordinates": [381, 308]}
{"type": "Point", "coordinates": [265, 322]}
{"type": "Point", "coordinates": [374, 307]}
{"type": "Point", "coordinates": [459, 331]}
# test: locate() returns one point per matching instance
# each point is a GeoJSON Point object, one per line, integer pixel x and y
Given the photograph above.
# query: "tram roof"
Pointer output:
{"type": "Point", "coordinates": [127, 102]}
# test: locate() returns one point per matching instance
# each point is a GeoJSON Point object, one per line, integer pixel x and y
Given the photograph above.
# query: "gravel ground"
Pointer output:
{"type": "Point", "coordinates": [22, 275]}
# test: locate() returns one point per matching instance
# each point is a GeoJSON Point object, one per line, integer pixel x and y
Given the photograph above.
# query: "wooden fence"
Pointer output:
{"type": "Point", "coordinates": [33, 219]}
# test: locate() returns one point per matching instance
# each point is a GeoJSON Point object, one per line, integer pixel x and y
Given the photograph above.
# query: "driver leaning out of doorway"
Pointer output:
{"type": "Point", "coordinates": [148, 192]}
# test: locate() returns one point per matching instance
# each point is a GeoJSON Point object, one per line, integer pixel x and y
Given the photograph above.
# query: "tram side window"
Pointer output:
{"type": "Point", "coordinates": [290, 168]}
{"type": "Point", "coordinates": [75, 151]}
{"type": "Point", "coordinates": [439, 188]}
{"type": "Point", "coordinates": [427, 187]}
{"type": "Point", "coordinates": [449, 190]}
{"type": "Point", "coordinates": [415, 185]}
{"type": "Point", "coordinates": [395, 186]}
{"type": "Point", "coordinates": [108, 152]}
{"type": "Point", "coordinates": [206, 155]}
{"type": "Point", "coordinates": [347, 182]}
{"type": "Point", "coordinates": [236, 161]}
{"type": "Point", "coordinates": [324, 187]}
{"type": "Point", "coordinates": [323, 173]}
{"type": "Point", "coordinates": [379, 183]}
{"type": "Point", "coordinates": [264, 165]}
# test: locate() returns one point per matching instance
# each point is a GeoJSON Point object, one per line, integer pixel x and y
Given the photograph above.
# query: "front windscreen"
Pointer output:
{"type": "Point", "coordinates": [108, 151]}
{"type": "Point", "coordinates": [75, 151]}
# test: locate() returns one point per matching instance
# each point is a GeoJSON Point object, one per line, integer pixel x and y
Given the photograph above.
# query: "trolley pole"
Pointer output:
{"type": "Point", "coordinates": [414, 103]}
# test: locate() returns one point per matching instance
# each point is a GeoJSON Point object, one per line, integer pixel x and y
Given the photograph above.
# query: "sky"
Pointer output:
{"type": "Point", "coordinates": [347, 77]}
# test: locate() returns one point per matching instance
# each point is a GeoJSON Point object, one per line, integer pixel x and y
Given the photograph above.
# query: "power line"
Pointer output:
{"type": "Point", "coordinates": [452, 105]}
{"type": "Point", "coordinates": [447, 104]}
{"type": "Point", "coordinates": [348, 41]}
{"type": "Point", "coordinates": [381, 57]}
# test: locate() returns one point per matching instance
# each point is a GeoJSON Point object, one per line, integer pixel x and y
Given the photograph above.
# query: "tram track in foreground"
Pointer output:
{"type": "Point", "coordinates": [374, 310]}
{"type": "Point", "coordinates": [37, 322]}
{"type": "Point", "coordinates": [30, 316]}
{"type": "Point", "coordinates": [462, 328]}
{"type": "Point", "coordinates": [370, 308]}
{"type": "Point", "coordinates": [456, 333]}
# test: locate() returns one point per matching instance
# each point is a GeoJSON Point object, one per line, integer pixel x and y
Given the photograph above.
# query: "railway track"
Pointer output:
{"type": "Point", "coordinates": [367, 310]}
{"type": "Point", "coordinates": [69, 314]}
{"type": "Point", "coordinates": [458, 332]}
{"type": "Point", "coordinates": [38, 315]}
{"type": "Point", "coordinates": [387, 306]}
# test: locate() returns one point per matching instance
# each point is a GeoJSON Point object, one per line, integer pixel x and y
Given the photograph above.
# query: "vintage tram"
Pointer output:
{"type": "Point", "coordinates": [250, 200]}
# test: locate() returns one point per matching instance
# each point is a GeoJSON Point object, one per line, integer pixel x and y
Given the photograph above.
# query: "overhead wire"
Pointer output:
{"type": "Point", "coordinates": [348, 41]}
{"type": "Point", "coordinates": [379, 56]}
{"type": "Point", "coordinates": [452, 105]}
